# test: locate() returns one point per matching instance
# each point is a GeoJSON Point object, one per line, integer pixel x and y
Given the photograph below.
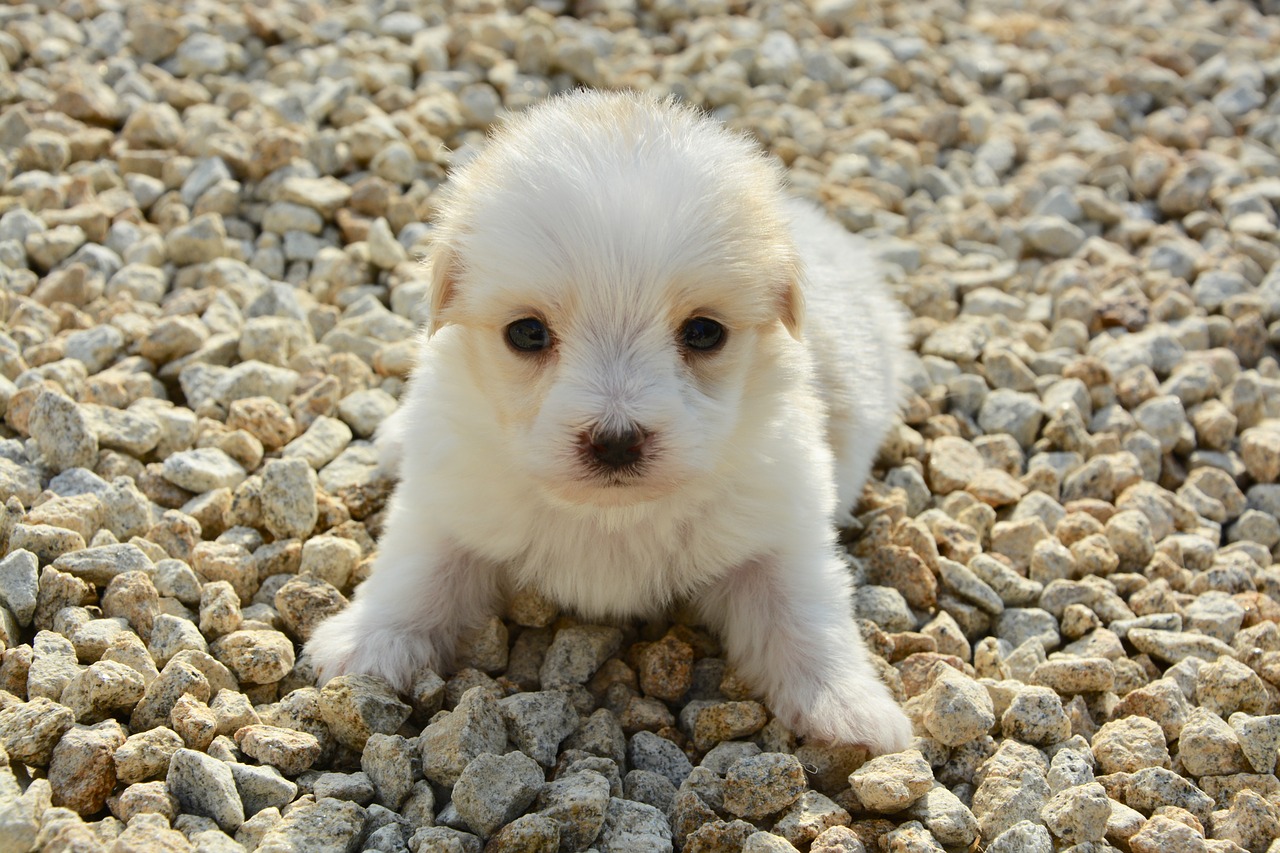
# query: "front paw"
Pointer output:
{"type": "Point", "coordinates": [347, 643]}
{"type": "Point", "coordinates": [851, 711]}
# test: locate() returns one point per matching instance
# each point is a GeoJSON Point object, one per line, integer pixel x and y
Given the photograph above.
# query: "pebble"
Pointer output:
{"type": "Point", "coordinates": [388, 761]}
{"type": "Point", "coordinates": [205, 786]}
{"type": "Point", "coordinates": [578, 804]}
{"type": "Point", "coordinates": [891, 783]}
{"type": "Point", "coordinates": [288, 498]}
{"type": "Point", "coordinates": [537, 723]}
{"type": "Point", "coordinates": [576, 653]}
{"type": "Point", "coordinates": [493, 790]}
{"type": "Point", "coordinates": [474, 727]}
{"type": "Point", "coordinates": [82, 771]}
{"type": "Point", "coordinates": [288, 750]}
{"type": "Point", "coordinates": [203, 470]}
{"type": "Point", "coordinates": [323, 824]}
{"type": "Point", "coordinates": [760, 785]}
{"type": "Point", "coordinates": [357, 706]}
{"type": "Point", "coordinates": [956, 708]}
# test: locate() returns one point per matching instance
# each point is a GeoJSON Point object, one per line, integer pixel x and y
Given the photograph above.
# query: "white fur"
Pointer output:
{"type": "Point", "coordinates": [616, 218]}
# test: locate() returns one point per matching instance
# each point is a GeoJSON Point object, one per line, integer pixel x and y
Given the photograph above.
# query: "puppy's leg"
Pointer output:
{"type": "Point", "coordinates": [788, 628]}
{"type": "Point", "coordinates": [407, 616]}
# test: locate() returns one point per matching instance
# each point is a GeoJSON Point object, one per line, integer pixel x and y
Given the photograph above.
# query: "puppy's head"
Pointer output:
{"type": "Point", "coordinates": [617, 268]}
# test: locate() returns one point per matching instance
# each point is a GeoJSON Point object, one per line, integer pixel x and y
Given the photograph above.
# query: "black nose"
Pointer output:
{"type": "Point", "coordinates": [616, 449]}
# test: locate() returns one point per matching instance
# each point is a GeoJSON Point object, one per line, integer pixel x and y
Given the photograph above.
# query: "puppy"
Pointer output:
{"type": "Point", "coordinates": [648, 377]}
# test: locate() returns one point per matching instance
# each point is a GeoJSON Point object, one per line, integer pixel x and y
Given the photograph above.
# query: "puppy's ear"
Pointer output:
{"type": "Point", "coordinates": [443, 275]}
{"type": "Point", "coordinates": [791, 306]}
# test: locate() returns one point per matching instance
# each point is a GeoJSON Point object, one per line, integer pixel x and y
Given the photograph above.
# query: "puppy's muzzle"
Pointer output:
{"type": "Point", "coordinates": [615, 450]}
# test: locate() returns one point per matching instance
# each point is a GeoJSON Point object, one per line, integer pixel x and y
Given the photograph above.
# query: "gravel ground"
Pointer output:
{"type": "Point", "coordinates": [210, 216]}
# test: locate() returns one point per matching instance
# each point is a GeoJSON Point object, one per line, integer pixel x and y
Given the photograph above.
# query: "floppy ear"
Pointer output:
{"type": "Point", "coordinates": [443, 274]}
{"type": "Point", "coordinates": [791, 305]}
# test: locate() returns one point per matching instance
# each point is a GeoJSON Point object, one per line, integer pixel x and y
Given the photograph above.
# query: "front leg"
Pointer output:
{"type": "Point", "coordinates": [408, 614]}
{"type": "Point", "coordinates": [787, 624]}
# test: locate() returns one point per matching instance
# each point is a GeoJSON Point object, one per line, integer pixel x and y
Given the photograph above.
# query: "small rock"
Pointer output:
{"type": "Point", "coordinates": [205, 786]}
{"type": "Point", "coordinates": [577, 803]}
{"type": "Point", "coordinates": [448, 745]}
{"type": "Point", "coordinates": [356, 706]}
{"type": "Point", "coordinates": [494, 790]}
{"type": "Point", "coordinates": [891, 783]}
{"type": "Point", "coordinates": [288, 750]}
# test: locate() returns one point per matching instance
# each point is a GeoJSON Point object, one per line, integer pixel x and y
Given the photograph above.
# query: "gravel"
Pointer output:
{"type": "Point", "coordinates": [210, 232]}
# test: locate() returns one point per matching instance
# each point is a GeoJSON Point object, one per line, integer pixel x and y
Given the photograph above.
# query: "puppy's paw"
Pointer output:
{"type": "Point", "coordinates": [852, 711]}
{"type": "Point", "coordinates": [346, 644]}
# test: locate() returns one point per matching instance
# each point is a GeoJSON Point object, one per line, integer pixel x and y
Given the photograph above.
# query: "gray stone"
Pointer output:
{"type": "Point", "coordinates": [648, 751]}
{"type": "Point", "coordinates": [474, 727]}
{"type": "Point", "coordinates": [577, 803]}
{"type": "Point", "coordinates": [537, 723]}
{"type": "Point", "coordinates": [62, 433]}
{"type": "Point", "coordinates": [631, 827]}
{"type": "Point", "coordinates": [203, 469]}
{"type": "Point", "coordinates": [576, 653]}
{"type": "Point", "coordinates": [494, 790]}
{"type": "Point", "coordinates": [205, 786]}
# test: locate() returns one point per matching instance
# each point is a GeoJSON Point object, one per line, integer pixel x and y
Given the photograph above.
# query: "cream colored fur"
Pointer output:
{"type": "Point", "coordinates": [615, 218]}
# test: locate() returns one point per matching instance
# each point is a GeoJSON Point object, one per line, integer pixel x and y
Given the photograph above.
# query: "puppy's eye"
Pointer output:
{"type": "Point", "coordinates": [529, 335]}
{"type": "Point", "coordinates": [702, 334]}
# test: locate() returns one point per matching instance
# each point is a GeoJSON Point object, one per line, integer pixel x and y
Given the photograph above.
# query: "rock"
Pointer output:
{"type": "Point", "coordinates": [946, 817]}
{"type": "Point", "coordinates": [199, 241]}
{"type": "Point", "coordinates": [953, 463]}
{"type": "Point", "coordinates": [533, 833]}
{"type": "Point", "coordinates": [1036, 716]}
{"type": "Point", "coordinates": [321, 443]}
{"type": "Point", "coordinates": [387, 760]}
{"type": "Point", "coordinates": [633, 828]}
{"type": "Point", "coordinates": [288, 498]}
{"type": "Point", "coordinates": [474, 727]}
{"type": "Point", "coordinates": [538, 723]}
{"type": "Point", "coordinates": [577, 803]}
{"type": "Point", "coordinates": [202, 470]}
{"type": "Point", "coordinates": [357, 706]}
{"type": "Point", "coordinates": [262, 788]}
{"type": "Point", "coordinates": [760, 785]}
{"type": "Point", "coordinates": [1128, 744]}
{"type": "Point", "coordinates": [808, 817]}
{"type": "Point", "coordinates": [493, 790]}
{"type": "Point", "coordinates": [20, 585]}
{"type": "Point", "coordinates": [29, 731]}
{"type": "Point", "coordinates": [576, 653]}
{"type": "Point", "coordinates": [648, 751]}
{"type": "Point", "coordinates": [957, 708]}
{"type": "Point", "coordinates": [891, 783]}
{"type": "Point", "coordinates": [255, 656]}
{"type": "Point", "coordinates": [304, 602]}
{"type": "Point", "coordinates": [326, 824]}
{"type": "Point", "coordinates": [1078, 814]}
{"type": "Point", "coordinates": [205, 786]}
{"type": "Point", "coordinates": [1207, 746]}
{"type": "Point", "coordinates": [145, 755]}
{"type": "Point", "coordinates": [356, 787]}
{"type": "Point", "coordinates": [288, 750]}
{"type": "Point", "coordinates": [103, 689]}
{"type": "Point", "coordinates": [1012, 787]}
{"type": "Point", "coordinates": [1012, 412]}
{"type": "Point", "coordinates": [62, 433]}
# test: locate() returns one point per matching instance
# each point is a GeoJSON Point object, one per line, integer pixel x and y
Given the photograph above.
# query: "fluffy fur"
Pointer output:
{"type": "Point", "coordinates": [615, 219]}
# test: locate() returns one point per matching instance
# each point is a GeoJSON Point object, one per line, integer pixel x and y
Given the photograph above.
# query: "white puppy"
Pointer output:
{"type": "Point", "coordinates": [620, 405]}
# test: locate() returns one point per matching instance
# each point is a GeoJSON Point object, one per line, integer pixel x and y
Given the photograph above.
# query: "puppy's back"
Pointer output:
{"type": "Point", "coordinates": [855, 334]}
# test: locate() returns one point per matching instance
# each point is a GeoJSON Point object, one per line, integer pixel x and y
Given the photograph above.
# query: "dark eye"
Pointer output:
{"type": "Point", "coordinates": [529, 335]}
{"type": "Point", "coordinates": [702, 334]}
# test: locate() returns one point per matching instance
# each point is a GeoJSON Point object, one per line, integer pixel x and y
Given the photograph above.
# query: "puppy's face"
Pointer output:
{"type": "Point", "coordinates": [619, 274]}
